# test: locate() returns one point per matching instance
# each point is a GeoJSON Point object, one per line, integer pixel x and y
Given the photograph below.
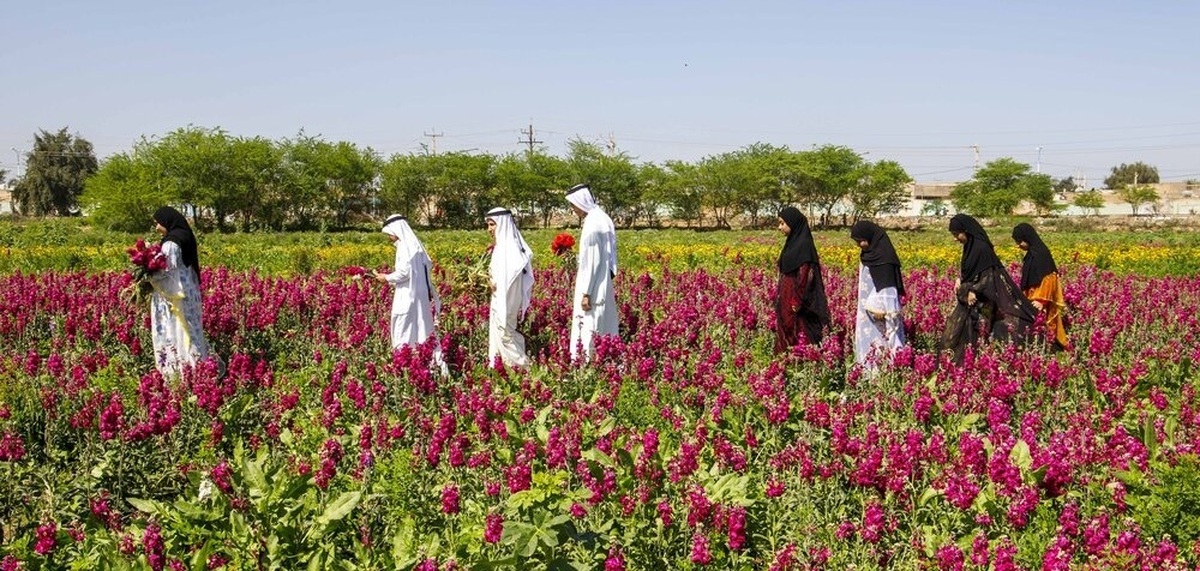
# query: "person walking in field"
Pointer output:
{"type": "Point", "coordinates": [801, 308]}
{"type": "Point", "coordinates": [511, 275]}
{"type": "Point", "coordinates": [176, 327]}
{"type": "Point", "coordinates": [984, 291]}
{"type": "Point", "coordinates": [415, 302]}
{"type": "Point", "coordinates": [594, 304]}
{"type": "Point", "coordinates": [1039, 281]}
{"type": "Point", "coordinates": [878, 326]}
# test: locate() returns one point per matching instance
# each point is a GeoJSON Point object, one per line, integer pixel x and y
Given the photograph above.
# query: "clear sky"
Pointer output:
{"type": "Point", "coordinates": [1093, 83]}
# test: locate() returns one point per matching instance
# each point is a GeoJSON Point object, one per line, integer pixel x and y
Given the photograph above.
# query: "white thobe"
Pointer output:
{"type": "Point", "coordinates": [596, 272]}
{"type": "Point", "coordinates": [176, 328]}
{"type": "Point", "coordinates": [874, 341]}
{"type": "Point", "coordinates": [415, 300]}
{"type": "Point", "coordinates": [504, 314]}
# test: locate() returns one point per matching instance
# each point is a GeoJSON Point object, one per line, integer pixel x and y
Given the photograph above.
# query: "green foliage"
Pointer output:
{"type": "Point", "coordinates": [612, 177]}
{"type": "Point", "coordinates": [883, 188]}
{"type": "Point", "coordinates": [996, 189]}
{"type": "Point", "coordinates": [273, 517]}
{"type": "Point", "coordinates": [1138, 196]}
{"type": "Point", "coordinates": [1089, 201]}
{"type": "Point", "coordinates": [1038, 189]}
{"type": "Point", "coordinates": [1165, 502]}
{"type": "Point", "coordinates": [1131, 174]}
{"type": "Point", "coordinates": [55, 171]}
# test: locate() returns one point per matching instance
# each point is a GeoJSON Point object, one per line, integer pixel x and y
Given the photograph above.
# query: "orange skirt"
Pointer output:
{"type": "Point", "coordinates": [1049, 293]}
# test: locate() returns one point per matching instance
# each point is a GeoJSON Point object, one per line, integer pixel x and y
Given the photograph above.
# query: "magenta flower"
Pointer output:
{"type": "Point", "coordinates": [493, 527]}
{"type": "Point", "coordinates": [450, 499]}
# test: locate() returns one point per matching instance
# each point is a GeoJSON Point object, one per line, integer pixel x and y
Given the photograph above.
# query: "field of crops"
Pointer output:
{"type": "Point", "coordinates": [686, 445]}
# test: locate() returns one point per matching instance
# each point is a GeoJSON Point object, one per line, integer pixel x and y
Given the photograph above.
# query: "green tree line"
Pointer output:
{"type": "Point", "coordinates": [305, 182]}
{"type": "Point", "coordinates": [232, 183]}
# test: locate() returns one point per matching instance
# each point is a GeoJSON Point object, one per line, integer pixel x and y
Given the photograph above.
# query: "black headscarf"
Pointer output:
{"type": "Point", "coordinates": [879, 257]}
{"type": "Point", "coordinates": [799, 249]}
{"type": "Point", "coordinates": [977, 254]}
{"type": "Point", "coordinates": [1039, 262]}
{"type": "Point", "coordinates": [179, 232]}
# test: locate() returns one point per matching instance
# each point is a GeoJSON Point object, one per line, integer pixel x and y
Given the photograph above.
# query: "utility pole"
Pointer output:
{"type": "Point", "coordinates": [529, 140]}
{"type": "Point", "coordinates": [612, 145]}
{"type": "Point", "coordinates": [976, 149]}
{"type": "Point", "coordinates": [434, 137]}
{"type": "Point", "coordinates": [1039, 163]}
{"type": "Point", "coordinates": [17, 153]}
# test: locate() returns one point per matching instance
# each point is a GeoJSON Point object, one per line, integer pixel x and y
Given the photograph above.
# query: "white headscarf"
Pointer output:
{"type": "Point", "coordinates": [512, 258]}
{"type": "Point", "coordinates": [407, 242]}
{"type": "Point", "coordinates": [581, 197]}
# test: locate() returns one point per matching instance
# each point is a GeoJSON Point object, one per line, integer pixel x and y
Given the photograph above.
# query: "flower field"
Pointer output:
{"type": "Point", "coordinates": [686, 445]}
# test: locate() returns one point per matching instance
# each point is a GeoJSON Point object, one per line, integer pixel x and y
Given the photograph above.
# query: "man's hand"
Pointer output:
{"type": "Point", "coordinates": [586, 303]}
{"type": "Point", "coordinates": [380, 276]}
{"type": "Point", "coordinates": [877, 315]}
{"type": "Point", "coordinates": [970, 298]}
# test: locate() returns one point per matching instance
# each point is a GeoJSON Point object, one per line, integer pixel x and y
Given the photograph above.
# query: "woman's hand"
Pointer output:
{"type": "Point", "coordinates": [1037, 305]}
{"type": "Point", "coordinates": [970, 298]}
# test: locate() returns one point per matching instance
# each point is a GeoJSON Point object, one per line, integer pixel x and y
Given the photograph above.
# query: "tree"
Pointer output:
{"type": "Point", "coordinates": [406, 186]}
{"type": "Point", "coordinates": [1132, 174]}
{"type": "Point", "coordinates": [882, 187]}
{"type": "Point", "coordinates": [531, 180]}
{"type": "Point", "coordinates": [125, 192]}
{"type": "Point", "coordinates": [683, 191]}
{"type": "Point", "coordinates": [612, 177]}
{"type": "Point", "coordinates": [1065, 185]}
{"type": "Point", "coordinates": [1038, 189]}
{"type": "Point", "coordinates": [721, 180]}
{"type": "Point", "coordinates": [996, 189]}
{"type": "Point", "coordinates": [1138, 196]}
{"type": "Point", "coordinates": [55, 171]}
{"type": "Point", "coordinates": [829, 173]}
{"type": "Point", "coordinates": [465, 186]}
{"type": "Point", "coordinates": [1089, 201]}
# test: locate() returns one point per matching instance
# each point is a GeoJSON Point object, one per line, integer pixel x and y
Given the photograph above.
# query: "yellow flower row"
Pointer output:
{"type": "Point", "coordinates": [677, 250]}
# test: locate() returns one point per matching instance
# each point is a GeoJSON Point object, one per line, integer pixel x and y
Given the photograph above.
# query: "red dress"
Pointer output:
{"type": "Point", "coordinates": [796, 314]}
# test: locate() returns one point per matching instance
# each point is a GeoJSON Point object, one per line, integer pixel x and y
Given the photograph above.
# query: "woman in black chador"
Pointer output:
{"type": "Point", "coordinates": [801, 309]}
{"type": "Point", "coordinates": [985, 292]}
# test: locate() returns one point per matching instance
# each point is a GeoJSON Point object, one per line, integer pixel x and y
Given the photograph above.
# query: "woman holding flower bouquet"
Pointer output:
{"type": "Point", "coordinates": [594, 308]}
{"type": "Point", "coordinates": [511, 273]}
{"type": "Point", "coordinates": [175, 324]}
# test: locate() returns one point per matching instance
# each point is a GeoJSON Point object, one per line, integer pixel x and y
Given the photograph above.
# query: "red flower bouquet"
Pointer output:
{"type": "Point", "coordinates": [562, 244]}
{"type": "Point", "coordinates": [147, 260]}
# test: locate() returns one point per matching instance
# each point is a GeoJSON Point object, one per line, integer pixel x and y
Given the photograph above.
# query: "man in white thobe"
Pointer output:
{"type": "Point", "coordinates": [415, 301]}
{"type": "Point", "coordinates": [594, 306]}
{"type": "Point", "coordinates": [511, 273]}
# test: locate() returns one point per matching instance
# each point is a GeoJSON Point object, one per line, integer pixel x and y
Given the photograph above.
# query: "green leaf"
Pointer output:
{"type": "Point", "coordinates": [1020, 456]}
{"type": "Point", "coordinates": [340, 507]}
{"type": "Point", "coordinates": [148, 506]}
{"type": "Point", "coordinates": [967, 422]}
{"type": "Point", "coordinates": [403, 546]}
{"type": "Point", "coordinates": [927, 495]}
{"type": "Point", "coordinates": [255, 479]}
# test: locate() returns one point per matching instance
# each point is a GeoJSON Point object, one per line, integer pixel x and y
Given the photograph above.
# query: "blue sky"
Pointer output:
{"type": "Point", "coordinates": [1093, 83]}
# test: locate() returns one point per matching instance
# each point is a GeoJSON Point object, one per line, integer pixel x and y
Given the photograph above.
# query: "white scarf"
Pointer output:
{"type": "Point", "coordinates": [512, 258]}
{"type": "Point", "coordinates": [596, 220]}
